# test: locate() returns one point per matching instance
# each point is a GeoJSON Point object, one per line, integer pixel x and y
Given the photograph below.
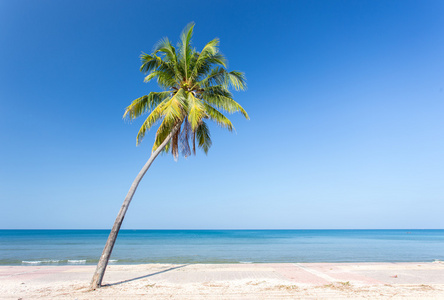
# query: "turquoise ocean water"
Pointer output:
{"type": "Point", "coordinates": [60, 247]}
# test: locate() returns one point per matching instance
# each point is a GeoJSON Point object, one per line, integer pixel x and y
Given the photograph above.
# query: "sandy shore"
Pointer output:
{"type": "Point", "coordinates": [228, 281]}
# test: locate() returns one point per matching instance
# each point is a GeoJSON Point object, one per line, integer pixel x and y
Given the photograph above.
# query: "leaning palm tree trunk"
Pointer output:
{"type": "Point", "coordinates": [103, 262]}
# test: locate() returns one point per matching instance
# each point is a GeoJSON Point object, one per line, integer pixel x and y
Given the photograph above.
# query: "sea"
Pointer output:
{"type": "Point", "coordinates": [65, 247]}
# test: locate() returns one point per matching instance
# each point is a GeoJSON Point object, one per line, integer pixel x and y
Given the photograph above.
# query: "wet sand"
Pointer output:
{"type": "Point", "coordinates": [228, 281]}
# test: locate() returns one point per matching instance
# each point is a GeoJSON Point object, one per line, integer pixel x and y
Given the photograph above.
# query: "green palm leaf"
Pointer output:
{"type": "Point", "coordinates": [203, 137]}
{"type": "Point", "coordinates": [196, 111]}
{"type": "Point", "coordinates": [144, 104]}
{"type": "Point", "coordinates": [218, 117]}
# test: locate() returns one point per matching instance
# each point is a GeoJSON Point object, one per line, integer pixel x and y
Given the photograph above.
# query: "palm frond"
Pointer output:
{"type": "Point", "coordinates": [167, 148]}
{"type": "Point", "coordinates": [175, 145]}
{"type": "Point", "coordinates": [196, 111]}
{"type": "Point", "coordinates": [162, 133]}
{"type": "Point", "coordinates": [155, 116]}
{"type": "Point", "coordinates": [217, 76]}
{"type": "Point", "coordinates": [164, 46]}
{"type": "Point", "coordinates": [174, 112]}
{"type": "Point", "coordinates": [237, 80]}
{"type": "Point", "coordinates": [214, 115]}
{"type": "Point", "coordinates": [175, 108]}
{"type": "Point", "coordinates": [144, 104]}
{"type": "Point", "coordinates": [206, 58]}
{"type": "Point", "coordinates": [164, 78]}
{"type": "Point", "coordinates": [221, 98]}
{"type": "Point", "coordinates": [149, 63]}
{"type": "Point", "coordinates": [185, 48]}
{"type": "Point", "coordinates": [203, 137]}
{"type": "Point", "coordinates": [194, 142]}
{"type": "Point", "coordinates": [184, 138]}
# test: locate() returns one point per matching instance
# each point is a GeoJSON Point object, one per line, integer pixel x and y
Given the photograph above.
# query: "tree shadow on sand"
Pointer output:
{"type": "Point", "coordinates": [144, 276]}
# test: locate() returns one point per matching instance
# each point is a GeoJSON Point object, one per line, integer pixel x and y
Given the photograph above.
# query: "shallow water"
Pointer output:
{"type": "Point", "coordinates": [55, 247]}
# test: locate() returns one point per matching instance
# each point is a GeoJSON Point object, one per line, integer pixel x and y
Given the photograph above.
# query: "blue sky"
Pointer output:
{"type": "Point", "coordinates": [346, 100]}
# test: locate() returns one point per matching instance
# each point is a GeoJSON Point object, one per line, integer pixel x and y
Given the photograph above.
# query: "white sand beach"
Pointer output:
{"type": "Point", "coordinates": [228, 281]}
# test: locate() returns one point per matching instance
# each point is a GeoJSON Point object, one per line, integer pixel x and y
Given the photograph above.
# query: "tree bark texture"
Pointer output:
{"type": "Point", "coordinates": [104, 259]}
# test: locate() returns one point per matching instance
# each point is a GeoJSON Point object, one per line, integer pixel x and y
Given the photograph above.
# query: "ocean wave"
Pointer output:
{"type": "Point", "coordinates": [245, 262]}
{"type": "Point", "coordinates": [36, 262]}
{"type": "Point", "coordinates": [76, 261]}
{"type": "Point", "coordinates": [113, 260]}
{"type": "Point", "coordinates": [31, 262]}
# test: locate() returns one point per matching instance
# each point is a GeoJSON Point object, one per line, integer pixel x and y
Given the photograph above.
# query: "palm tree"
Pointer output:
{"type": "Point", "coordinates": [196, 88]}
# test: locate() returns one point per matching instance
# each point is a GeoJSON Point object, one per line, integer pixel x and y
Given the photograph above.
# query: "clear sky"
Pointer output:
{"type": "Point", "coordinates": [346, 100]}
